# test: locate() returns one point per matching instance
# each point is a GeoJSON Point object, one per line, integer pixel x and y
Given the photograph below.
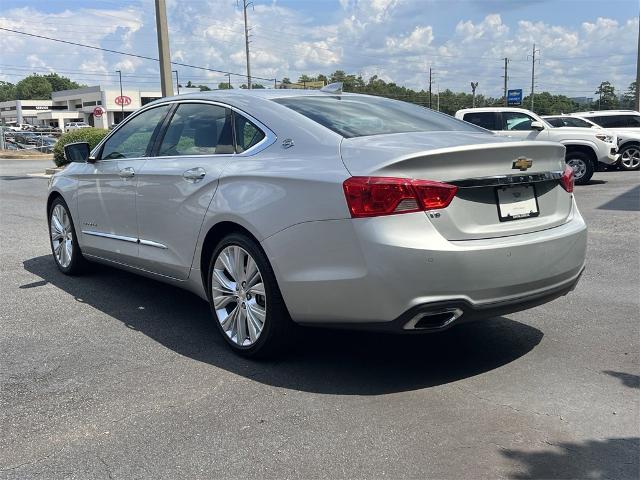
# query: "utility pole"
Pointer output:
{"type": "Point", "coordinates": [163, 48]}
{"type": "Point", "coordinates": [533, 72]}
{"type": "Point", "coordinates": [506, 66]}
{"type": "Point", "coordinates": [474, 85]}
{"type": "Point", "coordinates": [430, 87]}
{"type": "Point", "coordinates": [229, 80]}
{"type": "Point", "coordinates": [245, 4]}
{"type": "Point", "coordinates": [121, 99]}
{"type": "Point", "coordinates": [638, 73]}
{"type": "Point", "coordinates": [177, 80]}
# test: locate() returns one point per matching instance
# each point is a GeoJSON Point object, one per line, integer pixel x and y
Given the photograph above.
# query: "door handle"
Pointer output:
{"type": "Point", "coordinates": [194, 174]}
{"type": "Point", "coordinates": [127, 172]}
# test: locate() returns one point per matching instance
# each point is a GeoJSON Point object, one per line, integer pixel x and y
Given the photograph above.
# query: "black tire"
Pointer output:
{"type": "Point", "coordinates": [625, 150]}
{"type": "Point", "coordinates": [278, 326]}
{"type": "Point", "coordinates": [78, 262]}
{"type": "Point", "coordinates": [587, 165]}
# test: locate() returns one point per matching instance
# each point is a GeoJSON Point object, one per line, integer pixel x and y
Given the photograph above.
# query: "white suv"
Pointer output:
{"type": "Point", "coordinates": [626, 125]}
{"type": "Point", "coordinates": [585, 148]}
{"type": "Point", "coordinates": [77, 125]}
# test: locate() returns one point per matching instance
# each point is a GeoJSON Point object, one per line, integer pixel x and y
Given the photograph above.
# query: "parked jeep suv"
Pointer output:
{"type": "Point", "coordinates": [584, 148]}
{"type": "Point", "coordinates": [626, 125]}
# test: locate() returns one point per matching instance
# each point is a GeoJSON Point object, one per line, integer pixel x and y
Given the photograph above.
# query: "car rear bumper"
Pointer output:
{"type": "Point", "coordinates": [382, 270]}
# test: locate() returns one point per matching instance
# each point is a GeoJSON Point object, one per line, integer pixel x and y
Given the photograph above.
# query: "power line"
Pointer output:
{"type": "Point", "coordinates": [143, 57]}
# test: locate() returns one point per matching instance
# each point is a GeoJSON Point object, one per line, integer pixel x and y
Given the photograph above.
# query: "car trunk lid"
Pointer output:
{"type": "Point", "coordinates": [490, 173]}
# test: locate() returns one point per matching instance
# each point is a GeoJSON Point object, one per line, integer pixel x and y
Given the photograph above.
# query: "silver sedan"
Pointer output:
{"type": "Point", "coordinates": [321, 208]}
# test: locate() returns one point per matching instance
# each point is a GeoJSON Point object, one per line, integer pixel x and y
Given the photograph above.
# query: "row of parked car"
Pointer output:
{"type": "Point", "coordinates": [23, 140]}
{"type": "Point", "coordinates": [593, 140]}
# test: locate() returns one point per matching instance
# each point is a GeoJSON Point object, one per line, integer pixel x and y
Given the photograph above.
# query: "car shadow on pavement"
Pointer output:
{"type": "Point", "coordinates": [628, 379]}
{"type": "Point", "coordinates": [629, 201]}
{"type": "Point", "coordinates": [611, 458]}
{"type": "Point", "coordinates": [320, 360]}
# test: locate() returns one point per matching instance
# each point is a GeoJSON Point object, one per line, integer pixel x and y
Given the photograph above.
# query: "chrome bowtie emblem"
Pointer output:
{"type": "Point", "coordinates": [522, 164]}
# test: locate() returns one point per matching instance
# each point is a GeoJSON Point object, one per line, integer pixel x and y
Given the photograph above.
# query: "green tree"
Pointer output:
{"type": "Point", "coordinates": [34, 87]}
{"type": "Point", "coordinates": [204, 88]}
{"type": "Point", "coordinates": [61, 83]}
{"type": "Point", "coordinates": [224, 86]}
{"type": "Point", "coordinates": [257, 86]}
{"type": "Point", "coordinates": [629, 98]}
{"type": "Point", "coordinates": [7, 91]}
{"type": "Point", "coordinates": [607, 99]}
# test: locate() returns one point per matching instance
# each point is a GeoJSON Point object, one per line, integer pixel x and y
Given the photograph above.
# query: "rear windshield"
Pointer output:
{"type": "Point", "coordinates": [568, 122]}
{"type": "Point", "coordinates": [359, 116]}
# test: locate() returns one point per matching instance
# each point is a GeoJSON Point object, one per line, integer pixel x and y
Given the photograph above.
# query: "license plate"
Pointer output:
{"type": "Point", "coordinates": [517, 202]}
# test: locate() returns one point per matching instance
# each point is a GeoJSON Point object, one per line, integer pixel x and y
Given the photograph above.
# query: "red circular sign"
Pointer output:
{"type": "Point", "coordinates": [123, 100]}
{"type": "Point", "coordinates": [98, 112]}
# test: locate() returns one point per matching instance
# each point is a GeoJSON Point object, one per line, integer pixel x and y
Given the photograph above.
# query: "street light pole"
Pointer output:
{"type": "Point", "coordinates": [121, 99]}
{"type": "Point", "coordinates": [177, 80]}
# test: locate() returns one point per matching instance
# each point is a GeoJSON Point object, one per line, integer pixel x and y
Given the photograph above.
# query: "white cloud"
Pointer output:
{"type": "Point", "coordinates": [395, 39]}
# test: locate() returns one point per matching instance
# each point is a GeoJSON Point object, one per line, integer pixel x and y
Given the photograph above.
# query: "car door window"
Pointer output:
{"type": "Point", "coordinates": [516, 121]}
{"type": "Point", "coordinates": [198, 129]}
{"type": "Point", "coordinates": [482, 119]}
{"type": "Point", "coordinates": [247, 134]}
{"type": "Point", "coordinates": [132, 139]}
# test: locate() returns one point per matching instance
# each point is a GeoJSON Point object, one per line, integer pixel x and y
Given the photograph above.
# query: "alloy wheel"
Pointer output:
{"type": "Point", "coordinates": [238, 295]}
{"type": "Point", "coordinates": [579, 167]}
{"type": "Point", "coordinates": [631, 158]}
{"type": "Point", "coordinates": [61, 236]}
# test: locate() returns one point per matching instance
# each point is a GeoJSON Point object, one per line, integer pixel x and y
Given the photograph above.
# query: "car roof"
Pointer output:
{"type": "Point", "coordinates": [605, 113]}
{"type": "Point", "coordinates": [243, 97]}
{"type": "Point", "coordinates": [265, 93]}
{"type": "Point", "coordinates": [494, 109]}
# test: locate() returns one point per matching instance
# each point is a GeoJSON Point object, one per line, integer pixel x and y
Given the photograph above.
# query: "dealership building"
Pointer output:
{"type": "Point", "coordinates": [97, 106]}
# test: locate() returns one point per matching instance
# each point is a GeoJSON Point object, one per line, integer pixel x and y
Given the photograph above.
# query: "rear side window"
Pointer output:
{"type": "Point", "coordinates": [198, 129]}
{"type": "Point", "coordinates": [247, 134]}
{"type": "Point", "coordinates": [555, 122]}
{"type": "Point", "coordinates": [360, 115]}
{"type": "Point", "coordinates": [617, 121]}
{"type": "Point", "coordinates": [482, 119]}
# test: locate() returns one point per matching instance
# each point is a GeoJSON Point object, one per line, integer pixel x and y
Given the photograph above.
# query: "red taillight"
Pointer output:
{"type": "Point", "coordinates": [374, 196]}
{"type": "Point", "coordinates": [567, 179]}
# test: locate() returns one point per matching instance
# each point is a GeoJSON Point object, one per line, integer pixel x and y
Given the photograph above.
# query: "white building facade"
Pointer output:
{"type": "Point", "coordinates": [97, 106]}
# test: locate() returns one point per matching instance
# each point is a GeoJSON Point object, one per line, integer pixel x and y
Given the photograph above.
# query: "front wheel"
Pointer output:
{"type": "Point", "coordinates": [582, 167]}
{"type": "Point", "coordinates": [62, 236]}
{"type": "Point", "coordinates": [630, 157]}
{"type": "Point", "coordinates": [245, 299]}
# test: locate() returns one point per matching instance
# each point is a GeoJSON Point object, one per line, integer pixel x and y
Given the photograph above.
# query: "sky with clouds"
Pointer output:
{"type": "Point", "coordinates": [580, 42]}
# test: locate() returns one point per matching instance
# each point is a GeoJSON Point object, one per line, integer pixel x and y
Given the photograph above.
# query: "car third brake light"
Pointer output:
{"type": "Point", "coordinates": [375, 196]}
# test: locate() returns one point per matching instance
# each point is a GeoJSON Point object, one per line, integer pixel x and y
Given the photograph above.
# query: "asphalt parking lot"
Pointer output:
{"type": "Point", "coordinates": [111, 375]}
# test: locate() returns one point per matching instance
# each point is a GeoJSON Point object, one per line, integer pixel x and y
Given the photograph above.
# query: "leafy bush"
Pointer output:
{"type": "Point", "coordinates": [89, 135]}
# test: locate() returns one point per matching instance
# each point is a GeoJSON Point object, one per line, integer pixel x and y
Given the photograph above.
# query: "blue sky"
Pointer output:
{"type": "Point", "coordinates": [581, 42]}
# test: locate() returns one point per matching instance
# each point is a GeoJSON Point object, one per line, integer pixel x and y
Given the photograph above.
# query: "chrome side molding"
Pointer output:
{"type": "Point", "coordinates": [151, 243]}
{"type": "Point", "coordinates": [111, 236]}
{"type": "Point", "coordinates": [123, 238]}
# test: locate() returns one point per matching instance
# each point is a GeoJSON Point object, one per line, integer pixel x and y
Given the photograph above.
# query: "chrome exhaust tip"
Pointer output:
{"type": "Point", "coordinates": [435, 320]}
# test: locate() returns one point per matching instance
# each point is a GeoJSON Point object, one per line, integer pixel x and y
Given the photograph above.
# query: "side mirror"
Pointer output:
{"type": "Point", "coordinates": [77, 152]}
{"type": "Point", "coordinates": [535, 125]}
